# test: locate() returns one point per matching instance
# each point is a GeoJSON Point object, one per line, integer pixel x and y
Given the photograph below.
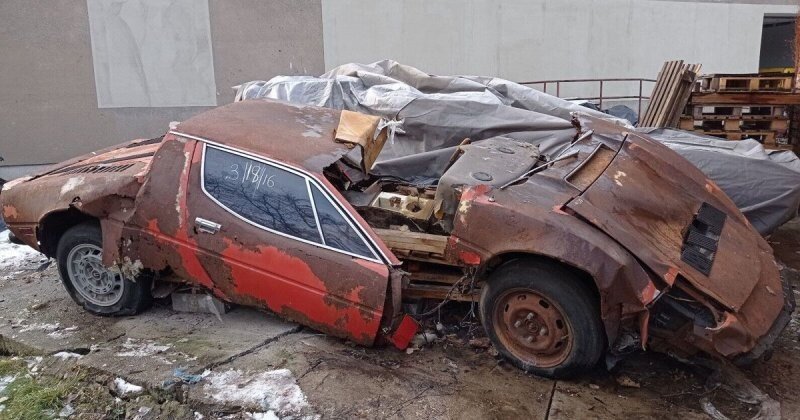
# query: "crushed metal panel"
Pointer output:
{"type": "Point", "coordinates": [642, 179]}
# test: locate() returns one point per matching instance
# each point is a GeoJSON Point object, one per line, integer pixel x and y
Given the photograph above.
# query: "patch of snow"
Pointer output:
{"type": "Point", "coordinates": [17, 256]}
{"type": "Point", "coordinates": [62, 333]}
{"type": "Point", "coordinates": [33, 363]}
{"type": "Point", "coordinates": [142, 413]}
{"type": "Point", "coordinates": [5, 381]}
{"type": "Point", "coordinates": [124, 387]}
{"type": "Point", "coordinates": [67, 411]}
{"type": "Point", "coordinates": [41, 327]}
{"type": "Point", "coordinates": [269, 415]}
{"type": "Point", "coordinates": [135, 348]}
{"type": "Point", "coordinates": [64, 355]}
{"type": "Point", "coordinates": [274, 391]}
{"type": "Point", "coordinates": [198, 416]}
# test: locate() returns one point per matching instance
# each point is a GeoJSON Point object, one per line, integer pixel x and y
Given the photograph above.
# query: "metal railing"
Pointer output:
{"type": "Point", "coordinates": [602, 82]}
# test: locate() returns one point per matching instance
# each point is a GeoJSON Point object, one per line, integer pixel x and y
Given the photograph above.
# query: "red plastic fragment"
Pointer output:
{"type": "Point", "coordinates": [404, 332]}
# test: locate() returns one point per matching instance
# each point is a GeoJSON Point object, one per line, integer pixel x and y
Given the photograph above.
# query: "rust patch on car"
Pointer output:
{"type": "Point", "coordinates": [10, 212]}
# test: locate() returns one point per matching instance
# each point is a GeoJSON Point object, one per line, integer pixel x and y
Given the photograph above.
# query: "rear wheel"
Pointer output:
{"type": "Point", "coordinates": [98, 289]}
{"type": "Point", "coordinates": [542, 318]}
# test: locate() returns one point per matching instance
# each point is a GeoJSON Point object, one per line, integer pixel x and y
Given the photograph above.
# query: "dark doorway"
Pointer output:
{"type": "Point", "coordinates": [777, 40]}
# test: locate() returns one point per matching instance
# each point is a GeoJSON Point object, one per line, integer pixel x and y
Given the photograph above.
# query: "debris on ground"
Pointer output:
{"type": "Point", "coordinates": [480, 343]}
{"type": "Point", "coordinates": [423, 339]}
{"type": "Point", "coordinates": [708, 408]}
{"type": "Point", "coordinates": [124, 388]}
{"type": "Point", "coordinates": [627, 382]}
{"type": "Point", "coordinates": [738, 385]}
{"type": "Point", "coordinates": [181, 376]}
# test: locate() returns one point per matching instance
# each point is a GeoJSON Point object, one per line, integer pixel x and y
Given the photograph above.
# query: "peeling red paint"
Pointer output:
{"type": "Point", "coordinates": [469, 258]}
{"type": "Point", "coordinates": [291, 287]}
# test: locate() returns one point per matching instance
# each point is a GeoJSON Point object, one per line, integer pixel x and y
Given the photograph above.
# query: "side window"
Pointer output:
{"type": "Point", "coordinates": [261, 193]}
{"type": "Point", "coordinates": [337, 232]}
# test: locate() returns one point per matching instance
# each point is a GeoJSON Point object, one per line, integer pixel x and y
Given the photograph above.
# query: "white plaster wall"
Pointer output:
{"type": "Point", "coordinates": [524, 40]}
{"type": "Point", "coordinates": [152, 53]}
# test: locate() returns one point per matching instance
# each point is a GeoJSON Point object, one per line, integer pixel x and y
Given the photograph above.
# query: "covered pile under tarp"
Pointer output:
{"type": "Point", "coordinates": [428, 116]}
{"type": "Point", "coordinates": [433, 114]}
{"type": "Point", "coordinates": [764, 184]}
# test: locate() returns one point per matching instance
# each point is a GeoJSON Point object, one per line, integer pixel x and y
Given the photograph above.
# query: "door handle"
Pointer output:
{"type": "Point", "coordinates": [206, 226]}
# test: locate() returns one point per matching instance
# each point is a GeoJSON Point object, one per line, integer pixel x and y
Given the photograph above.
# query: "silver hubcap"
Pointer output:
{"type": "Point", "coordinates": [91, 279]}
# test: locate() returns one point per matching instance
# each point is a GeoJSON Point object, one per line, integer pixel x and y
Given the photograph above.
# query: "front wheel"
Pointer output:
{"type": "Point", "coordinates": [98, 289]}
{"type": "Point", "coordinates": [542, 318]}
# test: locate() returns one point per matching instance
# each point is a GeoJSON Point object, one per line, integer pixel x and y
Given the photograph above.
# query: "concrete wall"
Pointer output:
{"type": "Point", "coordinates": [48, 86]}
{"type": "Point", "coordinates": [48, 93]}
{"type": "Point", "coordinates": [525, 40]}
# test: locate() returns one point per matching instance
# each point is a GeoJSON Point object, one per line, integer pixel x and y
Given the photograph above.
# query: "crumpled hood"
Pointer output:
{"type": "Point", "coordinates": [649, 197]}
{"type": "Point", "coordinates": [89, 182]}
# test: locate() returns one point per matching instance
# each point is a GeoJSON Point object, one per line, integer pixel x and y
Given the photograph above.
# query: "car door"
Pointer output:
{"type": "Point", "coordinates": [271, 235]}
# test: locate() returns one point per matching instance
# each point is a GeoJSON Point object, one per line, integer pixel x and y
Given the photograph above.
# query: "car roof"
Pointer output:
{"type": "Point", "coordinates": [306, 136]}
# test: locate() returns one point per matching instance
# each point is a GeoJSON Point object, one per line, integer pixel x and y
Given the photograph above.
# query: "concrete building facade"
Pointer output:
{"type": "Point", "coordinates": [52, 102]}
{"type": "Point", "coordinates": [80, 75]}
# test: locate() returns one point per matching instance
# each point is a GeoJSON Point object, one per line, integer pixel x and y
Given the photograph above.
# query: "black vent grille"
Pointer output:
{"type": "Point", "coordinates": [702, 238]}
{"type": "Point", "coordinates": [97, 169]}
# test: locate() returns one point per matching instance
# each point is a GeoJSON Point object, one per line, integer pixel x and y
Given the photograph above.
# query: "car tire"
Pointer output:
{"type": "Point", "coordinates": [542, 318]}
{"type": "Point", "coordinates": [93, 286]}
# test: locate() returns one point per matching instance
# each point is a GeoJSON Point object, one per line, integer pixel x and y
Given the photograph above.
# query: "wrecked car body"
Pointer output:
{"type": "Point", "coordinates": [612, 243]}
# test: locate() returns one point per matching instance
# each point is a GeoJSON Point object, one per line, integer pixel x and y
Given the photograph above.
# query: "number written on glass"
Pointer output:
{"type": "Point", "coordinates": [256, 176]}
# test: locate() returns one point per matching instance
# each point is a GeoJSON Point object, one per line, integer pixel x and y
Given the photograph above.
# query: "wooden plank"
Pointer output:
{"type": "Point", "coordinates": [686, 123]}
{"type": "Point", "coordinates": [678, 106]}
{"type": "Point", "coordinates": [689, 77]}
{"type": "Point", "coordinates": [746, 98]}
{"type": "Point", "coordinates": [438, 292]}
{"type": "Point", "coordinates": [746, 82]}
{"type": "Point", "coordinates": [656, 95]}
{"type": "Point", "coordinates": [732, 124]}
{"type": "Point", "coordinates": [413, 241]}
{"type": "Point", "coordinates": [412, 247]}
{"type": "Point", "coordinates": [434, 277]}
{"type": "Point", "coordinates": [728, 112]}
{"type": "Point", "coordinates": [407, 255]}
{"type": "Point", "coordinates": [672, 90]}
{"type": "Point", "coordinates": [670, 78]}
{"type": "Point", "coordinates": [669, 95]}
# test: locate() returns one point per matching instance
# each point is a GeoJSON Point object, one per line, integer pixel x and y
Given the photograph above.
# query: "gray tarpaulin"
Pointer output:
{"type": "Point", "coordinates": [430, 115]}
{"type": "Point", "coordinates": [434, 113]}
{"type": "Point", "coordinates": [764, 184]}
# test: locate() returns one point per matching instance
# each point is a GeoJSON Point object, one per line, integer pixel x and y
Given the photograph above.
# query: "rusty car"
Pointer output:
{"type": "Point", "coordinates": [615, 244]}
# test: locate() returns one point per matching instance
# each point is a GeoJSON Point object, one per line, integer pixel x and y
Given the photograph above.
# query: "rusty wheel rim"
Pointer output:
{"type": "Point", "coordinates": [90, 278]}
{"type": "Point", "coordinates": [532, 328]}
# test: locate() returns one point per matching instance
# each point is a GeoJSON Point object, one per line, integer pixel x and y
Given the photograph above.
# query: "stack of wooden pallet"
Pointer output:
{"type": "Point", "coordinates": [740, 106]}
